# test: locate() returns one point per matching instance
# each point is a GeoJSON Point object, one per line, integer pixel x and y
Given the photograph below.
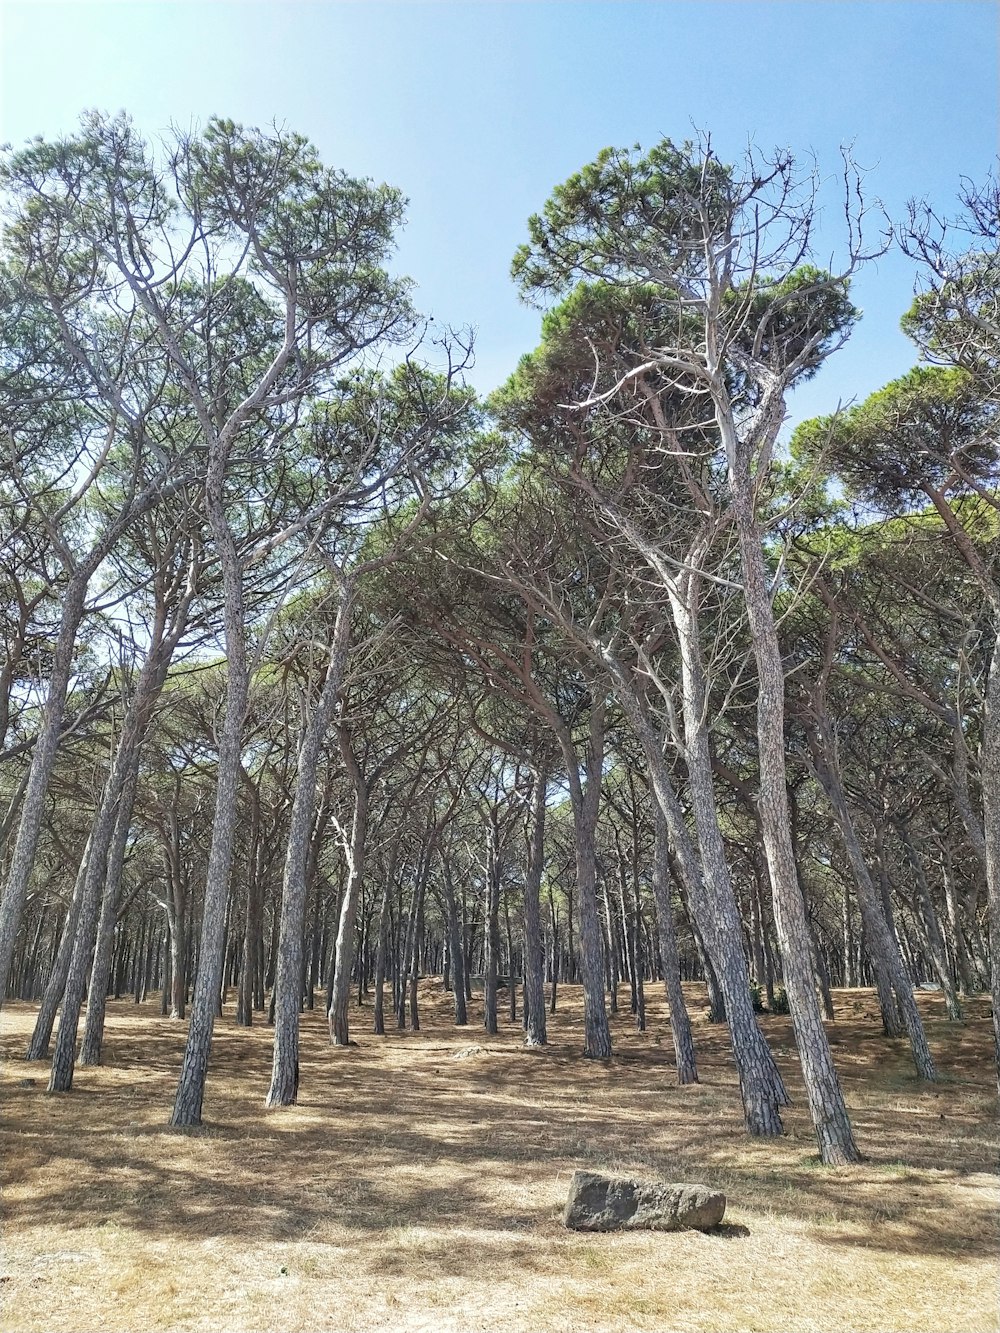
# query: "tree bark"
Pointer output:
{"type": "Point", "coordinates": [100, 973]}
{"type": "Point", "coordinates": [118, 793]}
{"type": "Point", "coordinates": [534, 986]}
{"type": "Point", "coordinates": [338, 1016]}
{"type": "Point", "coordinates": [680, 1023]}
{"type": "Point", "coordinates": [288, 974]}
{"type": "Point", "coordinates": [455, 951]}
{"type": "Point", "coordinates": [761, 1087]}
{"type": "Point", "coordinates": [826, 1100]}
{"type": "Point", "coordinates": [194, 1068]}
{"type": "Point", "coordinates": [586, 802]}
{"type": "Point", "coordinates": [493, 871]}
{"type": "Point", "coordinates": [931, 925]}
{"type": "Point", "coordinates": [38, 1047]}
{"type": "Point", "coordinates": [890, 974]}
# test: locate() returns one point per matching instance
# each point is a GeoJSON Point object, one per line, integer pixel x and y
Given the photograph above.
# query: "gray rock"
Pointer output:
{"type": "Point", "coordinates": [600, 1202]}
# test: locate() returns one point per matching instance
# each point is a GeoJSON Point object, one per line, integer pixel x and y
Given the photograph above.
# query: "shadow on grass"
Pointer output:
{"type": "Point", "coordinates": [455, 1157]}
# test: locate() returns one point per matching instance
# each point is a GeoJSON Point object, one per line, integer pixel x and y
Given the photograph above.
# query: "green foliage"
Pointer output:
{"type": "Point", "coordinates": [622, 212]}
{"type": "Point", "coordinates": [914, 434]}
{"type": "Point", "coordinates": [798, 318]}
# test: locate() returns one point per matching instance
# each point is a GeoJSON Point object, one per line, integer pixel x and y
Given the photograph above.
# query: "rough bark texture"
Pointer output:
{"type": "Point", "coordinates": [883, 950]}
{"type": "Point", "coordinates": [455, 951]}
{"type": "Point", "coordinates": [826, 1100]}
{"type": "Point", "coordinates": [44, 753]}
{"type": "Point", "coordinates": [341, 991]}
{"type": "Point", "coordinates": [120, 786]}
{"type": "Point", "coordinates": [534, 948]}
{"type": "Point", "coordinates": [990, 771]}
{"type": "Point", "coordinates": [42, 762]}
{"type": "Point", "coordinates": [204, 1004]}
{"type": "Point", "coordinates": [680, 1022]}
{"type": "Point", "coordinates": [761, 1087]}
{"type": "Point", "coordinates": [134, 728]}
{"type": "Point", "coordinates": [38, 1047]}
{"type": "Point", "coordinates": [586, 808]}
{"type": "Point", "coordinates": [287, 984]}
{"type": "Point", "coordinates": [100, 972]}
{"type": "Point", "coordinates": [730, 967]}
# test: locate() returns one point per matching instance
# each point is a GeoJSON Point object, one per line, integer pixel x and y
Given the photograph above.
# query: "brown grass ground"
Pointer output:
{"type": "Point", "coordinates": [419, 1181]}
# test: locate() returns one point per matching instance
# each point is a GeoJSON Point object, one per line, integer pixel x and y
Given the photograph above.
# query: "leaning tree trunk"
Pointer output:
{"type": "Point", "coordinates": [42, 761]}
{"type": "Point", "coordinates": [204, 1004]}
{"type": "Point", "coordinates": [989, 755]}
{"type": "Point", "coordinates": [118, 792]}
{"type": "Point", "coordinates": [586, 803]}
{"type": "Point", "coordinates": [288, 975]}
{"type": "Point", "coordinates": [932, 926]}
{"type": "Point", "coordinates": [100, 972]}
{"type": "Point", "coordinates": [38, 1047]}
{"type": "Point", "coordinates": [534, 986]}
{"type": "Point", "coordinates": [680, 1023]}
{"type": "Point", "coordinates": [731, 967]}
{"type": "Point", "coordinates": [761, 1087]}
{"type": "Point", "coordinates": [960, 945]}
{"type": "Point", "coordinates": [64, 1055]}
{"type": "Point", "coordinates": [29, 983]}
{"type": "Point", "coordinates": [46, 743]}
{"type": "Point", "coordinates": [340, 997]}
{"type": "Point", "coordinates": [887, 962]}
{"type": "Point", "coordinates": [136, 723]}
{"type": "Point", "coordinates": [826, 1099]}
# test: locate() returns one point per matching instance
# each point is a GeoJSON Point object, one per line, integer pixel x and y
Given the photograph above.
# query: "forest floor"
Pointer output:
{"type": "Point", "coordinates": [418, 1183]}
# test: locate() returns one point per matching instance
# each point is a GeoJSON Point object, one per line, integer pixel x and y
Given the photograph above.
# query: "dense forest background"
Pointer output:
{"type": "Point", "coordinates": [320, 675]}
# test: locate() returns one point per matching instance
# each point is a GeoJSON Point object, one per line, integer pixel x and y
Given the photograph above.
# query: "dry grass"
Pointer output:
{"type": "Point", "coordinates": [413, 1189]}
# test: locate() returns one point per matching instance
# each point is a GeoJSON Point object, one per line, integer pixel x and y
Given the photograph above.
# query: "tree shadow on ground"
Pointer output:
{"type": "Point", "coordinates": [398, 1134]}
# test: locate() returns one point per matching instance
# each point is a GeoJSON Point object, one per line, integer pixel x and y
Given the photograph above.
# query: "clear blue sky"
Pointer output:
{"type": "Point", "coordinates": [475, 110]}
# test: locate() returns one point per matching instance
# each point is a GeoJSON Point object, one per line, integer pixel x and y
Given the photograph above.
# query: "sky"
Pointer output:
{"type": "Point", "coordinates": [477, 108]}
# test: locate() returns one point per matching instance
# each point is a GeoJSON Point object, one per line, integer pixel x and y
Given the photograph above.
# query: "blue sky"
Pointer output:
{"type": "Point", "coordinates": [475, 110]}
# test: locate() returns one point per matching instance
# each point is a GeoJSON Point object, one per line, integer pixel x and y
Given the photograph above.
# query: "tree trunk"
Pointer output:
{"type": "Point", "coordinates": [194, 1068]}
{"type": "Point", "coordinates": [42, 761]}
{"type": "Point", "coordinates": [586, 809]}
{"type": "Point", "coordinates": [382, 942]}
{"type": "Point", "coordinates": [761, 1087]}
{"type": "Point", "coordinates": [883, 950]}
{"type": "Point", "coordinates": [286, 995]}
{"type": "Point", "coordinates": [100, 975]}
{"type": "Point", "coordinates": [826, 1099]}
{"type": "Point", "coordinates": [38, 1047]}
{"type": "Point", "coordinates": [338, 1018]}
{"type": "Point", "coordinates": [680, 1023]}
{"type": "Point", "coordinates": [931, 925]}
{"type": "Point", "coordinates": [493, 871]}
{"type": "Point", "coordinates": [118, 793]}
{"type": "Point", "coordinates": [534, 987]}
{"type": "Point", "coordinates": [455, 951]}
{"type": "Point", "coordinates": [990, 778]}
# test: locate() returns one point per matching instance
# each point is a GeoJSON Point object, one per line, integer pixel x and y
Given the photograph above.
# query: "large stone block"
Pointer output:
{"type": "Point", "coordinates": [601, 1202]}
